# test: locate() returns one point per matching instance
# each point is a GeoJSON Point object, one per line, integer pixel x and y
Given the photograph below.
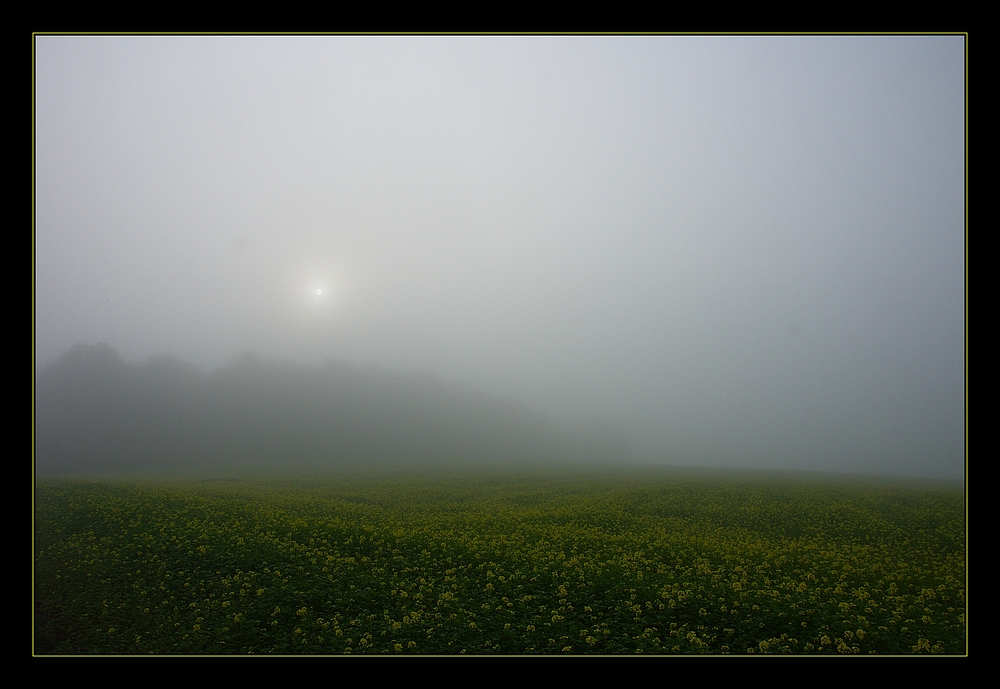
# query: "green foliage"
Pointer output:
{"type": "Point", "coordinates": [527, 564]}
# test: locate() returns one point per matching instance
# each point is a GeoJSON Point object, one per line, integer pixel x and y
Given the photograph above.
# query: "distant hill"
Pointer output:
{"type": "Point", "coordinates": [94, 411]}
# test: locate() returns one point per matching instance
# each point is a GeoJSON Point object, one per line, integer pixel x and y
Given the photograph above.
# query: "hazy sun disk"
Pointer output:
{"type": "Point", "coordinates": [319, 292]}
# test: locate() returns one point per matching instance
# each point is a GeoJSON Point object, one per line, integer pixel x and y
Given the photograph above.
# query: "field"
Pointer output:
{"type": "Point", "coordinates": [643, 561]}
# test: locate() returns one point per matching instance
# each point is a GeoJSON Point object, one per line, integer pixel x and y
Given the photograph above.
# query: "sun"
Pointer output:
{"type": "Point", "coordinates": [319, 292]}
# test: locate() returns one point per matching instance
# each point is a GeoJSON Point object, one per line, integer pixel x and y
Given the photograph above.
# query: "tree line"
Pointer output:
{"type": "Point", "coordinates": [95, 411]}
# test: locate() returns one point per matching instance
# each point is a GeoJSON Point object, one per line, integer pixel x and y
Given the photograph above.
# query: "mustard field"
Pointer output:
{"type": "Point", "coordinates": [647, 562]}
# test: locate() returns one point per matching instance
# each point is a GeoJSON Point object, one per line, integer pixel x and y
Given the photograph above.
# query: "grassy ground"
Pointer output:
{"type": "Point", "coordinates": [530, 563]}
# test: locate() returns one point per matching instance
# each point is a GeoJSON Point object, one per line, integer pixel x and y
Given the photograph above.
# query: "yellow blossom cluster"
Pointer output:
{"type": "Point", "coordinates": [628, 562]}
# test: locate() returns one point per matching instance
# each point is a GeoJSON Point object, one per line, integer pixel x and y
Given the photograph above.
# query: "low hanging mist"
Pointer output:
{"type": "Point", "coordinates": [97, 412]}
{"type": "Point", "coordinates": [737, 252]}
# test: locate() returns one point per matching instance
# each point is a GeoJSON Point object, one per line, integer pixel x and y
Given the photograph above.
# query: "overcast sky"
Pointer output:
{"type": "Point", "coordinates": [744, 251]}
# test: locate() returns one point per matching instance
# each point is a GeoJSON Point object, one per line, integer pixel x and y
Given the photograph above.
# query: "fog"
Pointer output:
{"type": "Point", "coordinates": [98, 412]}
{"type": "Point", "coordinates": [721, 251]}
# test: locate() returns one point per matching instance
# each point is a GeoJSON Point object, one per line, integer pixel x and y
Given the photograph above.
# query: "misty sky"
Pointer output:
{"type": "Point", "coordinates": [743, 251]}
